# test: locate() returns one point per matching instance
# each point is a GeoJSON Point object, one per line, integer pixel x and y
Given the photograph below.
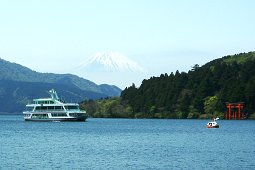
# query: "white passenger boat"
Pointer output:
{"type": "Point", "coordinates": [53, 109]}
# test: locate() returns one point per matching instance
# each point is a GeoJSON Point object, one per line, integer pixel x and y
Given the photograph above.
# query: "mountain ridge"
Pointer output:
{"type": "Point", "coordinates": [19, 84]}
{"type": "Point", "coordinates": [17, 72]}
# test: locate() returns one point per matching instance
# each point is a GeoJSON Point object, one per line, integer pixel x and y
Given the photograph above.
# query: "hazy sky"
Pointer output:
{"type": "Point", "coordinates": [160, 35]}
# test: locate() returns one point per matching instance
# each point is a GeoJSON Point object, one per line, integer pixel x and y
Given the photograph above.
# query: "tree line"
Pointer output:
{"type": "Point", "coordinates": [200, 93]}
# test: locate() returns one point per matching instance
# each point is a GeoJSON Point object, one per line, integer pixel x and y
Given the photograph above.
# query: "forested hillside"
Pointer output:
{"type": "Point", "coordinates": [202, 92]}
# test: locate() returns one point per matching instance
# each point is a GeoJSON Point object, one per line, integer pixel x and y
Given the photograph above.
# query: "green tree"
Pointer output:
{"type": "Point", "coordinates": [210, 105]}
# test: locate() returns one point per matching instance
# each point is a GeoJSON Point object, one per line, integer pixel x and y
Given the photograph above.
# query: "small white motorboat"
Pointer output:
{"type": "Point", "coordinates": [213, 124]}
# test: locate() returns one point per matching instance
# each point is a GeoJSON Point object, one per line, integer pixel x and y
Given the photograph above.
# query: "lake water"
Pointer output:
{"type": "Point", "coordinates": [126, 144]}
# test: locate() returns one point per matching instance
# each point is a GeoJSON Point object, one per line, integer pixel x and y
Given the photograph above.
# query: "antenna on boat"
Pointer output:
{"type": "Point", "coordinates": [53, 94]}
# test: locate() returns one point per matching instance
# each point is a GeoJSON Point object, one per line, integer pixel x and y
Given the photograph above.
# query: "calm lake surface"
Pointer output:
{"type": "Point", "coordinates": [126, 144]}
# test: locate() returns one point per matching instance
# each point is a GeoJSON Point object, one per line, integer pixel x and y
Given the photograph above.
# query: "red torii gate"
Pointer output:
{"type": "Point", "coordinates": [235, 110]}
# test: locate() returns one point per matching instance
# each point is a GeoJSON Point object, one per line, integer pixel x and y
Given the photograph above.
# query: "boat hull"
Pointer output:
{"type": "Point", "coordinates": [216, 126]}
{"type": "Point", "coordinates": [80, 119]}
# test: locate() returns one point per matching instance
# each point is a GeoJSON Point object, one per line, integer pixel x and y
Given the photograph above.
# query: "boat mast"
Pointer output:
{"type": "Point", "coordinates": [53, 94]}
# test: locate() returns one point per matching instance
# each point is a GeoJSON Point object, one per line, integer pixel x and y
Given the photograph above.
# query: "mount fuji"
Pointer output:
{"type": "Point", "coordinates": [111, 61]}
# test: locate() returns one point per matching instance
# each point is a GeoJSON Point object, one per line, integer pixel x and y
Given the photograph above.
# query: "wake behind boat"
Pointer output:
{"type": "Point", "coordinates": [53, 109]}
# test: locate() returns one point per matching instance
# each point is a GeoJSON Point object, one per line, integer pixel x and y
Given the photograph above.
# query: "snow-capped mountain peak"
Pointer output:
{"type": "Point", "coordinates": [112, 61]}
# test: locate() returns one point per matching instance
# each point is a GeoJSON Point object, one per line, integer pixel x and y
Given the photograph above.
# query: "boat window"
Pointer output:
{"type": "Point", "coordinates": [71, 107]}
{"type": "Point", "coordinates": [41, 108]}
{"type": "Point", "coordinates": [44, 102]}
{"type": "Point", "coordinates": [40, 116]}
{"type": "Point", "coordinates": [58, 114]}
{"type": "Point", "coordinates": [38, 108]}
{"type": "Point", "coordinates": [77, 114]}
{"type": "Point", "coordinates": [50, 107]}
{"type": "Point", "coordinates": [58, 108]}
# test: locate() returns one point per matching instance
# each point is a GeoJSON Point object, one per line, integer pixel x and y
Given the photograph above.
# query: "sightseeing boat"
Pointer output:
{"type": "Point", "coordinates": [213, 124]}
{"type": "Point", "coordinates": [53, 109]}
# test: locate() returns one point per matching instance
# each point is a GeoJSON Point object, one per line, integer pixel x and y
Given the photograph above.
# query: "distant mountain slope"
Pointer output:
{"type": "Point", "coordinates": [110, 90]}
{"type": "Point", "coordinates": [17, 72]}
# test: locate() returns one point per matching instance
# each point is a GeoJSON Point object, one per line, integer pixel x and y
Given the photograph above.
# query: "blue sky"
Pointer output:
{"type": "Point", "coordinates": [160, 35]}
